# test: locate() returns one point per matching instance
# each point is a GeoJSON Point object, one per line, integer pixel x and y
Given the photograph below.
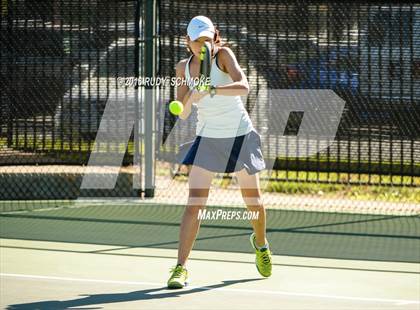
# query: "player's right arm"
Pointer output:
{"type": "Point", "coordinates": [184, 93]}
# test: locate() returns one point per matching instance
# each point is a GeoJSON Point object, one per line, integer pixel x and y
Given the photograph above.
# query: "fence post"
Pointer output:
{"type": "Point", "coordinates": [9, 70]}
{"type": "Point", "coordinates": [150, 96]}
{"type": "Point", "coordinates": [137, 177]}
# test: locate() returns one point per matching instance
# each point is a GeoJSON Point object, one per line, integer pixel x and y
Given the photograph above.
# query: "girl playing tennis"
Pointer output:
{"type": "Point", "coordinates": [226, 141]}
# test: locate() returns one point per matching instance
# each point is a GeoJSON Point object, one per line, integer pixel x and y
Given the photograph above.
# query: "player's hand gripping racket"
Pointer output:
{"type": "Point", "coordinates": [205, 70]}
{"type": "Point", "coordinates": [205, 67]}
{"type": "Point", "coordinates": [203, 83]}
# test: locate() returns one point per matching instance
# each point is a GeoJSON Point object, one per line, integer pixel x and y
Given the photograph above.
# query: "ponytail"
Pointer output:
{"type": "Point", "coordinates": [218, 40]}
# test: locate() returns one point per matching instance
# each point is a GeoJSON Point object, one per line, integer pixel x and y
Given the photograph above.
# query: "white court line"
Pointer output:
{"type": "Point", "coordinates": [235, 290]}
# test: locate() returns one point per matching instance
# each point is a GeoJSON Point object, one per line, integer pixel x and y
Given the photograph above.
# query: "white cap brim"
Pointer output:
{"type": "Point", "coordinates": [204, 33]}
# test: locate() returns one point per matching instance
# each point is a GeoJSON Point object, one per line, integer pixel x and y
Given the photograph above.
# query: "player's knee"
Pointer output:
{"type": "Point", "coordinates": [199, 192]}
{"type": "Point", "coordinates": [198, 197]}
{"type": "Point", "coordinates": [252, 197]}
{"type": "Point", "coordinates": [194, 210]}
{"type": "Point", "coordinates": [254, 202]}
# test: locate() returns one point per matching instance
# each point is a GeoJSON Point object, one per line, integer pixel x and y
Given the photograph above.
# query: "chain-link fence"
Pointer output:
{"type": "Point", "coordinates": [60, 65]}
{"type": "Point", "coordinates": [61, 60]}
{"type": "Point", "coordinates": [367, 54]}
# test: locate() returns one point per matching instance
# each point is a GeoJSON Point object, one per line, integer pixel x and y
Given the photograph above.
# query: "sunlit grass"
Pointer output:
{"type": "Point", "coordinates": [359, 192]}
{"type": "Point", "coordinates": [337, 185]}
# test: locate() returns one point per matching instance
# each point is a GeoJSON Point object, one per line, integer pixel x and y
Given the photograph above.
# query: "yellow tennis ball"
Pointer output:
{"type": "Point", "coordinates": [176, 107]}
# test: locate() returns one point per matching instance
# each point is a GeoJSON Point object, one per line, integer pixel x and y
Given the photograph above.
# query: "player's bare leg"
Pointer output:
{"type": "Point", "coordinates": [199, 184]}
{"type": "Point", "coordinates": [250, 190]}
{"type": "Point", "coordinates": [251, 194]}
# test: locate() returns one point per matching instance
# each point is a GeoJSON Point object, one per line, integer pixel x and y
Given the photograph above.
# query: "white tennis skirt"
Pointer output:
{"type": "Point", "coordinates": [224, 154]}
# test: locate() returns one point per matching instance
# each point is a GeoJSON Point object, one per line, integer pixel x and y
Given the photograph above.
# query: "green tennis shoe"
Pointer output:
{"type": "Point", "coordinates": [263, 258]}
{"type": "Point", "coordinates": [178, 277]}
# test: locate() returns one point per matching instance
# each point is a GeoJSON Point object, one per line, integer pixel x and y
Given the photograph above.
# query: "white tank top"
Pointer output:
{"type": "Point", "coordinates": [220, 116]}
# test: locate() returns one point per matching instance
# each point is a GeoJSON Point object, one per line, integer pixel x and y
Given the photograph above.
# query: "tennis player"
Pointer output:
{"type": "Point", "coordinates": [226, 141]}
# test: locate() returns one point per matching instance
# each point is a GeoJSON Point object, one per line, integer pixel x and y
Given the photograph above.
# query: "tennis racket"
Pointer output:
{"type": "Point", "coordinates": [205, 67]}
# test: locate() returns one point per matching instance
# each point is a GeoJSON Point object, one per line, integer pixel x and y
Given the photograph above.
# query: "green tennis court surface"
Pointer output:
{"type": "Point", "coordinates": [297, 233]}
{"type": "Point", "coordinates": [117, 256]}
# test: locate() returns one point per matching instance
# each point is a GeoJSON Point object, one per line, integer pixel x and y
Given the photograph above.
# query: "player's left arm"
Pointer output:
{"type": "Point", "coordinates": [228, 63]}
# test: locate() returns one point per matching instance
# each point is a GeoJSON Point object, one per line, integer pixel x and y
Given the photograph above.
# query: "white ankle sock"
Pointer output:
{"type": "Point", "coordinates": [265, 246]}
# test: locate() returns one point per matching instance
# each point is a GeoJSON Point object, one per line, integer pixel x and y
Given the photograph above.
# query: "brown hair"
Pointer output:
{"type": "Point", "coordinates": [218, 40]}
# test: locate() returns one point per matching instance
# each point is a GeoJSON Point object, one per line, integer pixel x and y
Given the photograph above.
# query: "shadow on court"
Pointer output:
{"type": "Point", "coordinates": [97, 299]}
